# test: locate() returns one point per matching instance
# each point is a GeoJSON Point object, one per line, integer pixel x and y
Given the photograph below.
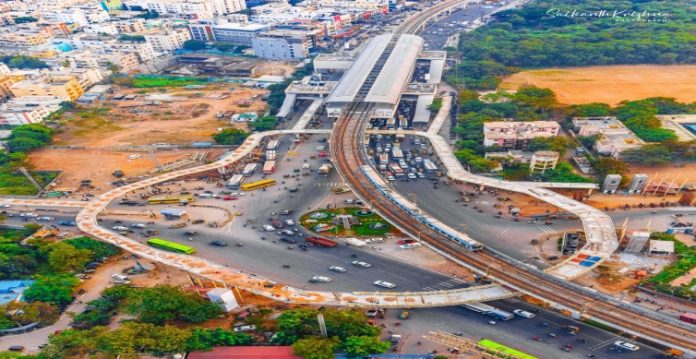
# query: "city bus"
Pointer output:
{"type": "Point", "coordinates": [235, 182]}
{"type": "Point", "coordinates": [258, 184]}
{"type": "Point", "coordinates": [498, 348]}
{"type": "Point", "coordinates": [171, 246]}
{"type": "Point", "coordinates": [170, 199]}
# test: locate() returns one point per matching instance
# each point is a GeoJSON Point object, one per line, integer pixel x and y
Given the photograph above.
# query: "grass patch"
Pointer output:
{"type": "Point", "coordinates": [88, 120]}
{"type": "Point", "coordinates": [661, 282]}
{"type": "Point", "coordinates": [15, 183]}
{"type": "Point", "coordinates": [361, 230]}
{"type": "Point", "coordinates": [167, 81]}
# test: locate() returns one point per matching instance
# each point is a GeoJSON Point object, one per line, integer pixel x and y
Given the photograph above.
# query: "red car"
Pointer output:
{"type": "Point", "coordinates": [322, 153]}
{"type": "Point", "coordinates": [406, 241]}
{"type": "Point", "coordinates": [230, 198]}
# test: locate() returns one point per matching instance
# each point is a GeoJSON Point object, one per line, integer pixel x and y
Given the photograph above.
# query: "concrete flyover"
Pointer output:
{"type": "Point", "coordinates": [599, 229]}
{"type": "Point", "coordinates": [87, 222]}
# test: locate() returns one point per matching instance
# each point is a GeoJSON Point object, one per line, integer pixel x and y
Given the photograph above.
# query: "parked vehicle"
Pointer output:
{"type": "Point", "coordinates": [321, 242]}
{"type": "Point", "coordinates": [218, 244]}
{"type": "Point", "coordinates": [244, 328]}
{"type": "Point", "coordinates": [139, 225]}
{"type": "Point", "coordinates": [268, 228]}
{"type": "Point", "coordinates": [67, 223]}
{"type": "Point", "coordinates": [120, 228]}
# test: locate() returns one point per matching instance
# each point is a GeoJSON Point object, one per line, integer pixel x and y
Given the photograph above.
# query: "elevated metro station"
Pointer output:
{"type": "Point", "coordinates": [387, 71]}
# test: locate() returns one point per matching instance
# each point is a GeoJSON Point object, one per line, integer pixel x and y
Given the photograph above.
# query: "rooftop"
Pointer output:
{"type": "Point", "coordinates": [246, 352]}
{"type": "Point", "coordinates": [396, 71]}
{"type": "Point", "coordinates": [355, 76]}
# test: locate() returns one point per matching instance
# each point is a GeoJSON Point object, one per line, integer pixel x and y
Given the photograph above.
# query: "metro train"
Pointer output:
{"type": "Point", "coordinates": [414, 212]}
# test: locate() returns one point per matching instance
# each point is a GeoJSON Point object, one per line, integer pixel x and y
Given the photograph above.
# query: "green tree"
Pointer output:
{"type": "Point", "coordinates": [98, 249]}
{"type": "Point", "coordinates": [316, 347]}
{"type": "Point", "coordinates": [72, 343]}
{"type": "Point", "coordinates": [163, 304]}
{"type": "Point", "coordinates": [347, 323]}
{"type": "Point", "coordinates": [205, 339]}
{"type": "Point", "coordinates": [594, 109]}
{"type": "Point", "coordinates": [63, 257]}
{"type": "Point", "coordinates": [230, 136]}
{"type": "Point", "coordinates": [265, 123]}
{"type": "Point", "coordinates": [651, 155]}
{"type": "Point", "coordinates": [132, 338]}
{"type": "Point", "coordinates": [605, 165]}
{"type": "Point", "coordinates": [23, 62]}
{"type": "Point", "coordinates": [361, 346]}
{"type": "Point", "coordinates": [23, 144]}
{"type": "Point", "coordinates": [57, 289]}
{"type": "Point", "coordinates": [559, 144]}
{"type": "Point", "coordinates": [194, 45]}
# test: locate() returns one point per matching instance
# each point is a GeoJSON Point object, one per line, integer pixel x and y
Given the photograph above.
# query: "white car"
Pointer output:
{"type": "Point", "coordinates": [45, 218]}
{"type": "Point", "coordinates": [319, 279]}
{"type": "Point", "coordinates": [391, 178]}
{"type": "Point", "coordinates": [28, 215]}
{"type": "Point", "coordinates": [361, 264]}
{"type": "Point", "coordinates": [524, 313]}
{"type": "Point", "coordinates": [139, 225]}
{"type": "Point", "coordinates": [120, 228]}
{"type": "Point", "coordinates": [244, 328]}
{"type": "Point", "coordinates": [337, 269]}
{"type": "Point", "coordinates": [385, 284]}
{"type": "Point", "coordinates": [289, 222]}
{"type": "Point", "coordinates": [4, 206]}
{"type": "Point", "coordinates": [626, 345]}
{"type": "Point", "coordinates": [412, 176]}
{"type": "Point", "coordinates": [268, 228]}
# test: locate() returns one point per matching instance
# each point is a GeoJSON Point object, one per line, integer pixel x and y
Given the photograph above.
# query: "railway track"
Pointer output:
{"type": "Point", "coordinates": [347, 147]}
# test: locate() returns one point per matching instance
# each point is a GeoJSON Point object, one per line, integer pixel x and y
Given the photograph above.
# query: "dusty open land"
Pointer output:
{"type": "Point", "coordinates": [103, 131]}
{"type": "Point", "coordinates": [177, 116]}
{"type": "Point", "coordinates": [611, 84]}
{"type": "Point", "coordinates": [97, 165]}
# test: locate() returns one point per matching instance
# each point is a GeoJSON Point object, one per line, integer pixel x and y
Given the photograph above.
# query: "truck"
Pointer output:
{"type": "Point", "coordinates": [688, 317]}
{"type": "Point", "coordinates": [489, 310]}
{"type": "Point", "coordinates": [397, 154]}
{"type": "Point", "coordinates": [383, 159]}
{"type": "Point", "coordinates": [249, 169]}
{"type": "Point", "coordinates": [323, 242]}
{"type": "Point", "coordinates": [325, 169]}
{"type": "Point", "coordinates": [268, 167]}
{"type": "Point", "coordinates": [396, 170]}
{"type": "Point", "coordinates": [178, 225]}
{"type": "Point", "coordinates": [235, 181]}
{"type": "Point", "coordinates": [272, 145]}
{"type": "Point", "coordinates": [429, 166]}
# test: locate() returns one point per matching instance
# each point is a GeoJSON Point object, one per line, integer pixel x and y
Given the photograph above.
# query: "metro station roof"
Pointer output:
{"type": "Point", "coordinates": [355, 76]}
{"type": "Point", "coordinates": [396, 72]}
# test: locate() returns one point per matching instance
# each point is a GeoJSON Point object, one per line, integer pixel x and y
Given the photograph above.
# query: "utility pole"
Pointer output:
{"type": "Point", "coordinates": [322, 325]}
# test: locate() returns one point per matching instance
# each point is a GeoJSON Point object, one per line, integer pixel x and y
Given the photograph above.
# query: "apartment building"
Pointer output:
{"type": "Point", "coordinates": [66, 87]}
{"type": "Point", "coordinates": [130, 26]}
{"type": "Point", "coordinates": [22, 39]}
{"type": "Point", "coordinates": [202, 8]}
{"type": "Point", "coordinates": [282, 45]}
{"type": "Point", "coordinates": [167, 40]}
{"type": "Point", "coordinates": [234, 33]}
{"type": "Point", "coordinates": [67, 16]}
{"type": "Point", "coordinates": [6, 82]}
{"type": "Point", "coordinates": [126, 61]}
{"type": "Point", "coordinates": [86, 77]}
{"type": "Point", "coordinates": [516, 135]}
{"type": "Point", "coordinates": [28, 109]}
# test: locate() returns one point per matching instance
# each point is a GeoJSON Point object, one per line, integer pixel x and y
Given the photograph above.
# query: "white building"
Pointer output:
{"type": "Point", "coordinates": [282, 45]}
{"type": "Point", "coordinates": [234, 33]}
{"type": "Point", "coordinates": [168, 40]}
{"type": "Point", "coordinates": [28, 109]}
{"type": "Point", "coordinates": [516, 135]}
{"type": "Point", "coordinates": [200, 8]}
{"type": "Point", "coordinates": [224, 298]}
{"type": "Point", "coordinates": [613, 136]}
{"type": "Point", "coordinates": [69, 16]}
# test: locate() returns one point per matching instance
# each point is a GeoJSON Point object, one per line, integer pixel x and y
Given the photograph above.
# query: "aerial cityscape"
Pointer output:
{"type": "Point", "coordinates": [323, 179]}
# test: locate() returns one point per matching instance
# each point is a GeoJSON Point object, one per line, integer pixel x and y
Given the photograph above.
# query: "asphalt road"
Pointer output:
{"type": "Point", "coordinates": [516, 333]}
{"type": "Point", "coordinates": [266, 257]}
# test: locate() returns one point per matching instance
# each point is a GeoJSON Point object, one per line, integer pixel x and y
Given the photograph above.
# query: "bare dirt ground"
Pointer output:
{"type": "Point", "coordinates": [182, 116]}
{"type": "Point", "coordinates": [275, 68]}
{"type": "Point", "coordinates": [678, 173]}
{"type": "Point", "coordinates": [611, 84]}
{"type": "Point", "coordinates": [616, 201]}
{"type": "Point", "coordinates": [98, 166]}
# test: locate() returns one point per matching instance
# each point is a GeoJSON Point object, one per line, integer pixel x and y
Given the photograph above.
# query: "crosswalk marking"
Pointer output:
{"type": "Point", "coordinates": [444, 285]}
{"type": "Point", "coordinates": [329, 184]}
{"type": "Point", "coordinates": [546, 228]}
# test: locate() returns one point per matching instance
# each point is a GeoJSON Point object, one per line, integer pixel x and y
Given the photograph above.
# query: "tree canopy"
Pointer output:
{"type": "Point", "coordinates": [230, 136]}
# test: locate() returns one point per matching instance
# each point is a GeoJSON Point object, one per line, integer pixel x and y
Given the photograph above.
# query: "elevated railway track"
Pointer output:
{"type": "Point", "coordinates": [348, 151]}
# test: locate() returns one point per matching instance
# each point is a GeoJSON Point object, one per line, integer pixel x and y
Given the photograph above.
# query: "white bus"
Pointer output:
{"type": "Point", "coordinates": [235, 182]}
